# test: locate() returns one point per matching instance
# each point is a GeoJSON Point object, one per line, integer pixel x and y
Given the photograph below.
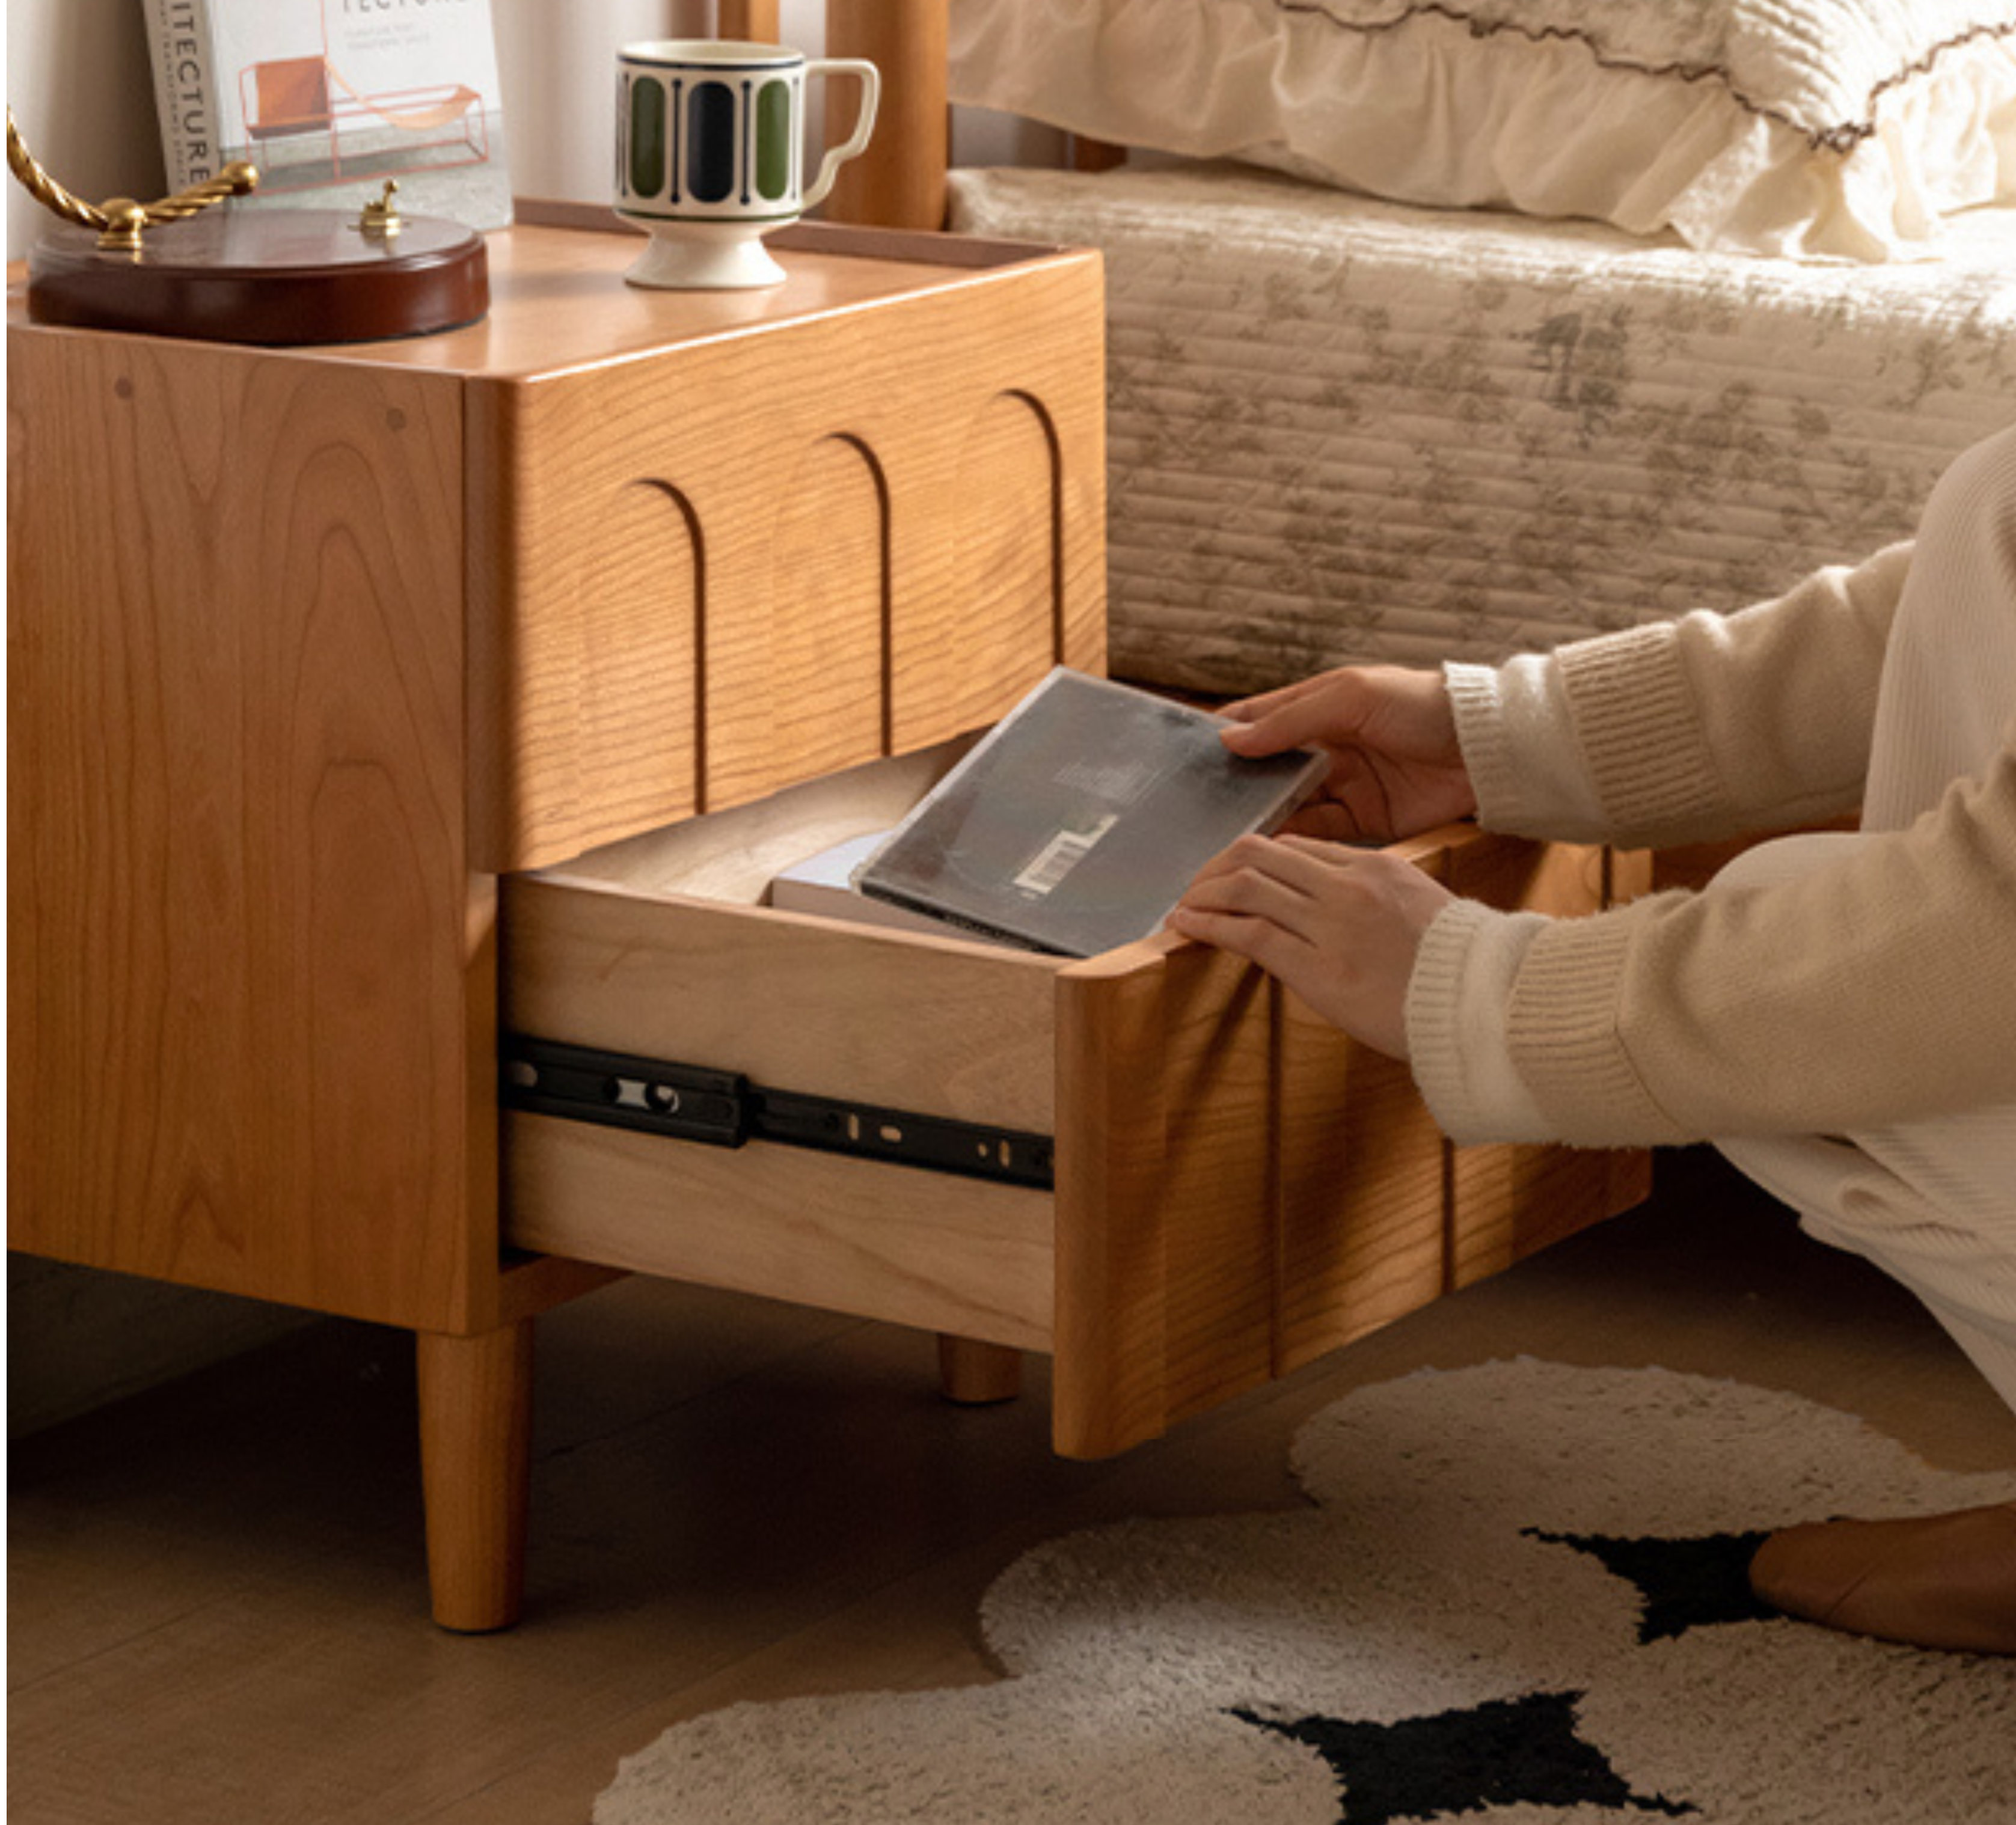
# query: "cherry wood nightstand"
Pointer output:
{"type": "Point", "coordinates": [309, 648]}
{"type": "Point", "coordinates": [401, 737]}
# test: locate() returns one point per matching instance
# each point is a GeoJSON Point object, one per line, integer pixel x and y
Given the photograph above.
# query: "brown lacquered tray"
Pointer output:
{"type": "Point", "coordinates": [276, 277]}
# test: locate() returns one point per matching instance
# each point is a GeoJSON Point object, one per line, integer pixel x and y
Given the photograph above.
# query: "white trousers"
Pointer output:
{"type": "Point", "coordinates": [1931, 1202]}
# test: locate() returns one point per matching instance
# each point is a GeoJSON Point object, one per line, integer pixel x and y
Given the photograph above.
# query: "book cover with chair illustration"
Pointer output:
{"type": "Point", "coordinates": [328, 99]}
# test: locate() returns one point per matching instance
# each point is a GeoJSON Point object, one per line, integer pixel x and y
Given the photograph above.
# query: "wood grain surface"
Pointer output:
{"type": "Point", "coordinates": [244, 959]}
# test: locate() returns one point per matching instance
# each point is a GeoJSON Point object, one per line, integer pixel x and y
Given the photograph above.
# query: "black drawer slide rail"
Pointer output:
{"type": "Point", "coordinates": [724, 1109]}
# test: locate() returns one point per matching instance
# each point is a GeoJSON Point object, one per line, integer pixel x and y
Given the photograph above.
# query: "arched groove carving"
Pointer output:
{"type": "Point", "coordinates": [1054, 445]}
{"type": "Point", "coordinates": [884, 574]}
{"type": "Point", "coordinates": [1001, 624]}
{"type": "Point", "coordinates": [799, 650]}
{"type": "Point", "coordinates": [643, 657]}
{"type": "Point", "coordinates": [696, 625]}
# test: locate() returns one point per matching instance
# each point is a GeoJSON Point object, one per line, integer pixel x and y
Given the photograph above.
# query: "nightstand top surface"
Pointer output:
{"type": "Point", "coordinates": [558, 301]}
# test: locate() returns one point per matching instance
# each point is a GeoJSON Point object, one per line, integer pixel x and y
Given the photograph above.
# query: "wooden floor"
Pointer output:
{"type": "Point", "coordinates": [216, 1607]}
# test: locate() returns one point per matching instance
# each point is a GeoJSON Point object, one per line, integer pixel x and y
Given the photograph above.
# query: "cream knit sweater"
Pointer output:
{"type": "Point", "coordinates": [1880, 988]}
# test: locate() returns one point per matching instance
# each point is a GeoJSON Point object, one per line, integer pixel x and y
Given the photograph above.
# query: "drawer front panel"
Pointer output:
{"type": "Point", "coordinates": [1362, 1191]}
{"type": "Point", "coordinates": [1167, 1255]}
{"type": "Point", "coordinates": [734, 563]}
{"type": "Point", "coordinates": [949, 673]}
{"type": "Point", "coordinates": [1242, 1189]}
{"type": "Point", "coordinates": [825, 696]}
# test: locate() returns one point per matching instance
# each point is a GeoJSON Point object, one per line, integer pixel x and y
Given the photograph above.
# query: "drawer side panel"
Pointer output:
{"type": "Point", "coordinates": [893, 1243]}
{"type": "Point", "coordinates": [792, 1004]}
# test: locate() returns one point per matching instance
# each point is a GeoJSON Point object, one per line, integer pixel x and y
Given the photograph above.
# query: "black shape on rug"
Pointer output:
{"type": "Point", "coordinates": [1685, 1584]}
{"type": "Point", "coordinates": [1508, 1752]}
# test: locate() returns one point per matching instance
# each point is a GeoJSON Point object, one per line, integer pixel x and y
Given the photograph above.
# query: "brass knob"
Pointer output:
{"type": "Point", "coordinates": [381, 219]}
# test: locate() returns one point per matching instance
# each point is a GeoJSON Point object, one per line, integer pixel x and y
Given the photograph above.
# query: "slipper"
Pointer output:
{"type": "Point", "coordinates": [1941, 1580]}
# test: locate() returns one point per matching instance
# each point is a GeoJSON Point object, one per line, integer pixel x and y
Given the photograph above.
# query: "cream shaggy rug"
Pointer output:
{"type": "Point", "coordinates": [1517, 1596]}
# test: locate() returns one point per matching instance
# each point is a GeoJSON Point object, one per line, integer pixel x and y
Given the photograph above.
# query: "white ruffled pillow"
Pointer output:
{"type": "Point", "coordinates": [1816, 128]}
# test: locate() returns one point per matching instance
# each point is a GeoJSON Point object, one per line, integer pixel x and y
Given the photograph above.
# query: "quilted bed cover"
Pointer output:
{"type": "Point", "coordinates": [1342, 429]}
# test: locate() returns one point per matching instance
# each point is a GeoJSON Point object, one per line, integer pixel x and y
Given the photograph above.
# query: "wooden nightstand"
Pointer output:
{"type": "Point", "coordinates": [380, 716]}
{"type": "Point", "coordinates": [309, 648]}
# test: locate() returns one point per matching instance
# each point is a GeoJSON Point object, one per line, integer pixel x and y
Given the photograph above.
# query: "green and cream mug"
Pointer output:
{"type": "Point", "coordinates": [710, 154]}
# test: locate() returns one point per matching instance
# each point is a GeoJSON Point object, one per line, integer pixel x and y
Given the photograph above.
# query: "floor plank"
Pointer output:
{"type": "Point", "coordinates": [217, 1603]}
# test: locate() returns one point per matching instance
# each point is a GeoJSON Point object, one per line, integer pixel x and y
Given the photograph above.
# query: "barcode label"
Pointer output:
{"type": "Point", "coordinates": [1059, 856]}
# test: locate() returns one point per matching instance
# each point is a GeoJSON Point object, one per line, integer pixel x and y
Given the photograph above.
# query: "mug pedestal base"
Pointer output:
{"type": "Point", "coordinates": [706, 256]}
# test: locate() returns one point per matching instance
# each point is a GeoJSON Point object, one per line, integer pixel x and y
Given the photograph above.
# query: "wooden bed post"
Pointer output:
{"type": "Point", "coordinates": [900, 181]}
{"type": "Point", "coordinates": [755, 19]}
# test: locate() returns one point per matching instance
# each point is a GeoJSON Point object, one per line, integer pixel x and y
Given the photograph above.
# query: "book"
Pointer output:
{"type": "Point", "coordinates": [1077, 823]}
{"type": "Point", "coordinates": [328, 99]}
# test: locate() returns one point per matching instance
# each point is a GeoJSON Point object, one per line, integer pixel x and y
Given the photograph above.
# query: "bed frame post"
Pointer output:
{"type": "Point", "coordinates": [755, 20]}
{"type": "Point", "coordinates": [900, 181]}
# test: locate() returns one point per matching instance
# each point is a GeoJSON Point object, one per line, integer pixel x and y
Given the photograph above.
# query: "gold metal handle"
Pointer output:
{"type": "Point", "coordinates": [120, 221]}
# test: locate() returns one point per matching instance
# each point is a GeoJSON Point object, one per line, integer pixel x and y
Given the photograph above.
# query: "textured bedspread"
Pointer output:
{"type": "Point", "coordinates": [1345, 430]}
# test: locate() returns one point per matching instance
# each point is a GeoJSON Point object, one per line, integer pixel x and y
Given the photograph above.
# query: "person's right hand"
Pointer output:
{"type": "Point", "coordinates": [1396, 768]}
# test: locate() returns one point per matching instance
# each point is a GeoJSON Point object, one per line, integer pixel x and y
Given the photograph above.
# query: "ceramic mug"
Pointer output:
{"type": "Point", "coordinates": [710, 151]}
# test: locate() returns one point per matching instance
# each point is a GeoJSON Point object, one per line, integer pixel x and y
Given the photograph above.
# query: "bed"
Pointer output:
{"type": "Point", "coordinates": [1557, 330]}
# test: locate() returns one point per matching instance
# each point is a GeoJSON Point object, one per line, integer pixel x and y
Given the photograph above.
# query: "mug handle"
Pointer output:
{"type": "Point", "coordinates": [871, 94]}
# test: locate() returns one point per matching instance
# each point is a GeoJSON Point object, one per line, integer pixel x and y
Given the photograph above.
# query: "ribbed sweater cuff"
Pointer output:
{"type": "Point", "coordinates": [1565, 1040]}
{"type": "Point", "coordinates": [1486, 743]}
{"type": "Point", "coordinates": [1517, 737]}
{"type": "Point", "coordinates": [1636, 722]}
{"type": "Point", "coordinates": [1458, 1004]}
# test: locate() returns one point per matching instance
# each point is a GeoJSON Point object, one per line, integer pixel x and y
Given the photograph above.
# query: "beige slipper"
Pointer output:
{"type": "Point", "coordinates": [1942, 1581]}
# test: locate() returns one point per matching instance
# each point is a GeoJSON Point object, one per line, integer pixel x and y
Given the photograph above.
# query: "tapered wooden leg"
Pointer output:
{"type": "Point", "coordinates": [476, 1463]}
{"type": "Point", "coordinates": [976, 1374]}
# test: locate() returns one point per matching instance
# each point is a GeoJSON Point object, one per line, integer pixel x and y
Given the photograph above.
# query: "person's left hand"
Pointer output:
{"type": "Point", "coordinates": [1338, 926]}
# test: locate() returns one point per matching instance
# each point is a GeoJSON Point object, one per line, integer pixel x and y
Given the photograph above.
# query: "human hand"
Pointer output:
{"type": "Point", "coordinates": [1395, 769]}
{"type": "Point", "coordinates": [1339, 926]}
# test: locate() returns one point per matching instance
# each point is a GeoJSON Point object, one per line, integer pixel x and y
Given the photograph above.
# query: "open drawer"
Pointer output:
{"type": "Point", "coordinates": [1153, 1164]}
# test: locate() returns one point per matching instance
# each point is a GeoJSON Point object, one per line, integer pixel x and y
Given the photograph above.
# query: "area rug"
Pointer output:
{"type": "Point", "coordinates": [1517, 1597]}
